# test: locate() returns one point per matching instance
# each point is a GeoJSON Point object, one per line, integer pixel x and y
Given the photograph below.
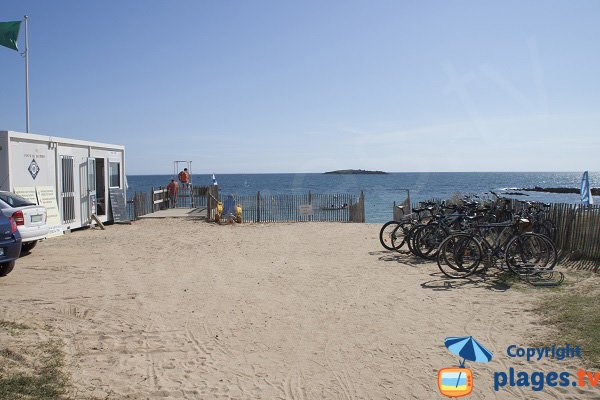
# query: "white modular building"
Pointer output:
{"type": "Point", "coordinates": [81, 172]}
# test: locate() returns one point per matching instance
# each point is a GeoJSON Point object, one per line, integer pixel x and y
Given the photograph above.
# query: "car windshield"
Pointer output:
{"type": "Point", "coordinates": [15, 200]}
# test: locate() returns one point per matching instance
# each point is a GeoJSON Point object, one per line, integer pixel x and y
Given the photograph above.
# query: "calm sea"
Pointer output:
{"type": "Point", "coordinates": [382, 190]}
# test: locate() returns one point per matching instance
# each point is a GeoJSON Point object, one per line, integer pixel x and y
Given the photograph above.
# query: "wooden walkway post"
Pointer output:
{"type": "Point", "coordinates": [152, 198]}
{"type": "Point", "coordinates": [361, 202]}
{"type": "Point", "coordinates": [210, 204]}
{"type": "Point", "coordinates": [258, 206]}
{"type": "Point", "coordinates": [215, 199]}
{"type": "Point", "coordinates": [310, 216]}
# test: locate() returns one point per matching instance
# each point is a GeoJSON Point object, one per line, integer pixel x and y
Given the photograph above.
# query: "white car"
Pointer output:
{"type": "Point", "coordinates": [30, 218]}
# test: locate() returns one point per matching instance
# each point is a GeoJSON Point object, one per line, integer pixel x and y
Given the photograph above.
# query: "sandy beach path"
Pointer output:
{"type": "Point", "coordinates": [187, 310]}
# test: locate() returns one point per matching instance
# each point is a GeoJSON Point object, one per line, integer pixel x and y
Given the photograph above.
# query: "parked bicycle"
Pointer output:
{"type": "Point", "coordinates": [506, 245]}
{"type": "Point", "coordinates": [389, 230]}
{"type": "Point", "coordinates": [509, 234]}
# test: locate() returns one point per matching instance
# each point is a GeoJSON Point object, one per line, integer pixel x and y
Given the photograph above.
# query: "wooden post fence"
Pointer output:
{"type": "Point", "coordinates": [357, 211]}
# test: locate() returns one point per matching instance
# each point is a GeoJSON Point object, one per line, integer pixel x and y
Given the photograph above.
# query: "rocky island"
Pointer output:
{"type": "Point", "coordinates": [595, 191]}
{"type": "Point", "coordinates": [355, 172]}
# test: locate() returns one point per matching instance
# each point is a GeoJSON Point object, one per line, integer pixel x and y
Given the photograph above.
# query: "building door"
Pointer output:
{"type": "Point", "coordinates": [91, 170]}
{"type": "Point", "coordinates": [87, 183]}
{"type": "Point", "coordinates": [100, 187]}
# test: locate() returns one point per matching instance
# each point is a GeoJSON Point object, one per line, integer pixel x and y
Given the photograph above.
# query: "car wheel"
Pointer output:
{"type": "Point", "coordinates": [6, 267]}
{"type": "Point", "coordinates": [27, 247]}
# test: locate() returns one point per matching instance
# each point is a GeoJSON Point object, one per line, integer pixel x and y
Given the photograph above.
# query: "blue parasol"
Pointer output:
{"type": "Point", "coordinates": [469, 349]}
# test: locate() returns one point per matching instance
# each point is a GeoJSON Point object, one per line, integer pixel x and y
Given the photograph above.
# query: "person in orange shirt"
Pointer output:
{"type": "Point", "coordinates": [173, 189]}
{"type": "Point", "coordinates": [184, 178]}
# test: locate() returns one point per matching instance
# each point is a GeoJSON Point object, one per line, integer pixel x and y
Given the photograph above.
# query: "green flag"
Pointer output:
{"type": "Point", "coordinates": [9, 32]}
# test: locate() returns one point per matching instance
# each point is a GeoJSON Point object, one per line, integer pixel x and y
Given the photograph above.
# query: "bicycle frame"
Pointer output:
{"type": "Point", "coordinates": [496, 248]}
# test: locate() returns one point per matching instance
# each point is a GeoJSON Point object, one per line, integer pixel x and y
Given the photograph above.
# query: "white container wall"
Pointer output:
{"type": "Point", "coordinates": [81, 172]}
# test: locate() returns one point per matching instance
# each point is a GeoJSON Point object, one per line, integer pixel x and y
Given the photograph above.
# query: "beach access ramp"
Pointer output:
{"type": "Point", "coordinates": [191, 213]}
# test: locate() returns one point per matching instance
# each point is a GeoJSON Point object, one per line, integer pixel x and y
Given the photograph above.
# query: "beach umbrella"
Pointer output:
{"type": "Point", "coordinates": [469, 349]}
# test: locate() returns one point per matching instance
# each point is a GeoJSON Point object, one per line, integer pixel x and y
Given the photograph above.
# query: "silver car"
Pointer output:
{"type": "Point", "coordinates": [30, 218]}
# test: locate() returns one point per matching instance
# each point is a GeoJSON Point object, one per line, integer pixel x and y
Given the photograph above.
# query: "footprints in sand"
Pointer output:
{"type": "Point", "coordinates": [294, 385]}
{"type": "Point", "coordinates": [344, 381]}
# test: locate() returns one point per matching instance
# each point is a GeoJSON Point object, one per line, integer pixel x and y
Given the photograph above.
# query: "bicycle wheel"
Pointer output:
{"type": "Point", "coordinates": [414, 240]}
{"type": "Point", "coordinates": [459, 255]}
{"type": "Point", "coordinates": [543, 228]}
{"type": "Point", "coordinates": [385, 234]}
{"type": "Point", "coordinates": [530, 253]}
{"type": "Point", "coordinates": [400, 234]}
{"type": "Point", "coordinates": [410, 238]}
{"type": "Point", "coordinates": [551, 254]}
{"type": "Point", "coordinates": [428, 239]}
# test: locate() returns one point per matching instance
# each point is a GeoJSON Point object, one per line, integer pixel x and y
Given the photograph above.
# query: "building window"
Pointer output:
{"type": "Point", "coordinates": [114, 176]}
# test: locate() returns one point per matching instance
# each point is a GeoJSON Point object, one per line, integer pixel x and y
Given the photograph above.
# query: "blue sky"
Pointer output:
{"type": "Point", "coordinates": [277, 86]}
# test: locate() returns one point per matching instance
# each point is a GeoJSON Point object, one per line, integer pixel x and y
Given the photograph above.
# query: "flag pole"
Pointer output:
{"type": "Point", "coordinates": [26, 78]}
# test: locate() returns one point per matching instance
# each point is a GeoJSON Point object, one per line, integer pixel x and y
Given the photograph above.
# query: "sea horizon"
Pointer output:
{"type": "Point", "coordinates": [386, 172]}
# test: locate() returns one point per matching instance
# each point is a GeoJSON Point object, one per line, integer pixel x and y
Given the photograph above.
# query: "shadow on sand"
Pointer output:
{"type": "Point", "coordinates": [494, 280]}
{"type": "Point", "coordinates": [488, 278]}
{"type": "Point", "coordinates": [405, 258]}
